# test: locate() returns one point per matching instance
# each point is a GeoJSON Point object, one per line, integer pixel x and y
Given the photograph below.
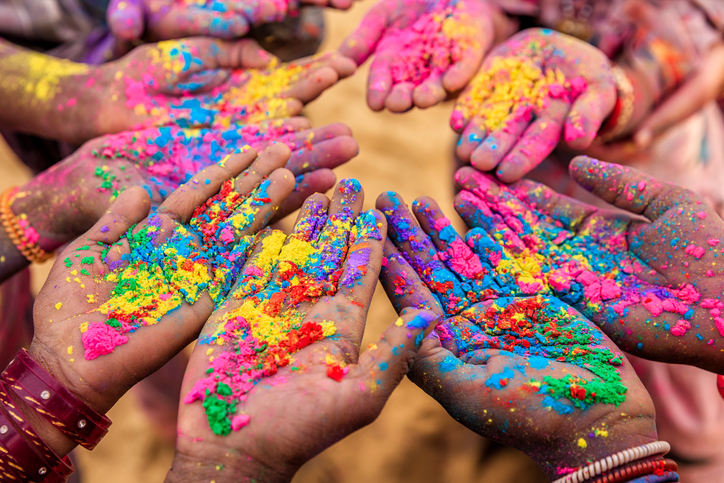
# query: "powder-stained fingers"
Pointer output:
{"type": "Point", "coordinates": [308, 184]}
{"type": "Point", "coordinates": [496, 145]}
{"type": "Point", "coordinates": [360, 273]}
{"type": "Point", "coordinates": [589, 110]}
{"type": "Point", "coordinates": [311, 218]}
{"type": "Point", "coordinates": [180, 205]}
{"type": "Point", "coordinates": [452, 250]}
{"type": "Point", "coordinates": [536, 143]}
{"type": "Point", "coordinates": [281, 108]}
{"type": "Point", "coordinates": [273, 157]}
{"type": "Point", "coordinates": [385, 363]}
{"type": "Point", "coordinates": [465, 107]}
{"type": "Point", "coordinates": [125, 19]}
{"type": "Point", "coordinates": [430, 92]}
{"type": "Point", "coordinates": [400, 97]}
{"type": "Point", "coordinates": [261, 204]}
{"type": "Point", "coordinates": [469, 140]}
{"type": "Point", "coordinates": [324, 153]}
{"type": "Point", "coordinates": [402, 284]}
{"type": "Point", "coordinates": [571, 213]}
{"type": "Point", "coordinates": [312, 84]}
{"type": "Point", "coordinates": [343, 66]}
{"type": "Point", "coordinates": [379, 81]}
{"type": "Point", "coordinates": [363, 41]}
{"type": "Point", "coordinates": [628, 188]}
{"type": "Point", "coordinates": [188, 21]}
{"type": "Point", "coordinates": [474, 34]}
{"type": "Point", "coordinates": [309, 137]}
{"type": "Point", "coordinates": [333, 240]}
{"type": "Point", "coordinates": [416, 246]}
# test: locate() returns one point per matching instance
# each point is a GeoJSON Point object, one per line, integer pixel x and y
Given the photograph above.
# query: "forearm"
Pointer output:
{"type": "Point", "coordinates": [41, 95]}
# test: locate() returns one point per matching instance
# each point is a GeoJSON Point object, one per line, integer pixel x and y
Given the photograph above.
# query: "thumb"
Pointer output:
{"type": "Point", "coordinates": [125, 19]}
{"type": "Point", "coordinates": [384, 364]}
{"type": "Point", "coordinates": [627, 188]}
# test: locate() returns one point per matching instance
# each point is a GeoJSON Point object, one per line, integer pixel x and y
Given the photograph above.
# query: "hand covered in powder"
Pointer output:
{"type": "Point", "coordinates": [133, 291]}
{"type": "Point", "coordinates": [198, 82]}
{"type": "Point", "coordinates": [423, 49]}
{"type": "Point", "coordinates": [531, 89]}
{"type": "Point", "coordinates": [172, 19]}
{"type": "Point", "coordinates": [650, 278]}
{"type": "Point", "coordinates": [521, 368]}
{"type": "Point", "coordinates": [277, 376]}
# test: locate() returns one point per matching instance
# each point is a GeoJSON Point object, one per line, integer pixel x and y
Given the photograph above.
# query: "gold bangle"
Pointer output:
{"type": "Point", "coordinates": [30, 250]}
{"type": "Point", "coordinates": [625, 92]}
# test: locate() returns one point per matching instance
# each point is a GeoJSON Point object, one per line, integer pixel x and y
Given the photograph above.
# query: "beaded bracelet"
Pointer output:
{"type": "Point", "coordinates": [640, 468]}
{"type": "Point", "coordinates": [619, 459]}
{"type": "Point", "coordinates": [32, 457]}
{"type": "Point", "coordinates": [623, 111]}
{"type": "Point", "coordinates": [29, 249]}
{"type": "Point", "coordinates": [53, 402]}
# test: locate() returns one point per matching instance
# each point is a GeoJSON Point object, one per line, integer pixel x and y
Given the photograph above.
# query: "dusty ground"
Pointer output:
{"type": "Point", "coordinates": [413, 440]}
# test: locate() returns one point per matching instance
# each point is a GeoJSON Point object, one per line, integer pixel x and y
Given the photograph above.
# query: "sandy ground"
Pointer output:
{"type": "Point", "coordinates": [413, 440]}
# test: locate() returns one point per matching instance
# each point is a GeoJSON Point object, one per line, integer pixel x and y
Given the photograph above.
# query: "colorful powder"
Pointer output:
{"type": "Point", "coordinates": [156, 277]}
{"type": "Point", "coordinates": [247, 96]}
{"type": "Point", "coordinates": [42, 75]}
{"type": "Point", "coordinates": [517, 87]}
{"type": "Point", "coordinates": [431, 45]}
{"type": "Point", "coordinates": [172, 155]}
{"type": "Point", "coordinates": [267, 326]}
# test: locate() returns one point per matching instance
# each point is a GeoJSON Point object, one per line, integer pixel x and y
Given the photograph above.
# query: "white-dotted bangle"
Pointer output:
{"type": "Point", "coordinates": [619, 459]}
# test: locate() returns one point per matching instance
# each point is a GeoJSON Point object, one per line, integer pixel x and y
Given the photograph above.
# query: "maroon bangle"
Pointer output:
{"type": "Point", "coordinates": [636, 470]}
{"type": "Point", "coordinates": [53, 402]}
{"type": "Point", "coordinates": [31, 456]}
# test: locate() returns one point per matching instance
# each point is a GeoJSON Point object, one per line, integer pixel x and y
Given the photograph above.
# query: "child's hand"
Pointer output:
{"type": "Point", "coordinates": [651, 280]}
{"type": "Point", "coordinates": [531, 89]}
{"type": "Point", "coordinates": [423, 49]}
{"type": "Point", "coordinates": [524, 369]}
{"type": "Point", "coordinates": [282, 354]}
{"type": "Point", "coordinates": [200, 82]}
{"type": "Point", "coordinates": [134, 290]}
{"type": "Point", "coordinates": [155, 20]}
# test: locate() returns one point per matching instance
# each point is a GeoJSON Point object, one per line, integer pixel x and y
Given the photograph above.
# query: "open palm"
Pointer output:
{"type": "Point", "coordinates": [125, 298]}
{"type": "Point", "coordinates": [648, 276]}
{"type": "Point", "coordinates": [522, 368]}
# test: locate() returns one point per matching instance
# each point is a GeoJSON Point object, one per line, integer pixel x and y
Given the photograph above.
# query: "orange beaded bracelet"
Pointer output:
{"type": "Point", "coordinates": [29, 249]}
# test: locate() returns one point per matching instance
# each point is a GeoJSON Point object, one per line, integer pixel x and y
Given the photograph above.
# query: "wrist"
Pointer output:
{"type": "Point", "coordinates": [225, 465]}
{"type": "Point", "coordinates": [75, 114]}
{"type": "Point", "coordinates": [588, 445]}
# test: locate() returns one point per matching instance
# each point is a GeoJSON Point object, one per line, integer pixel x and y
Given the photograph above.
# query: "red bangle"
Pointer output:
{"type": "Point", "coordinates": [27, 454]}
{"type": "Point", "coordinates": [720, 384]}
{"type": "Point", "coordinates": [53, 402]}
{"type": "Point", "coordinates": [634, 470]}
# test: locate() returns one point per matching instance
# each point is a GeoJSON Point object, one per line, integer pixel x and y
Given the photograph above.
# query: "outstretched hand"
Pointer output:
{"type": "Point", "coordinates": [277, 374]}
{"type": "Point", "coordinates": [423, 49]}
{"type": "Point", "coordinates": [532, 89]}
{"type": "Point", "coordinates": [521, 367]}
{"type": "Point", "coordinates": [199, 82]}
{"type": "Point", "coordinates": [132, 292]}
{"type": "Point", "coordinates": [649, 276]}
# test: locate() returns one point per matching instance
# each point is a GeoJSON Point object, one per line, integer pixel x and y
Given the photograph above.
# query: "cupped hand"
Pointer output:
{"type": "Point", "coordinates": [423, 49]}
{"type": "Point", "coordinates": [202, 82]}
{"type": "Point", "coordinates": [523, 368]}
{"type": "Point", "coordinates": [277, 374]}
{"type": "Point", "coordinates": [532, 89]}
{"type": "Point", "coordinates": [648, 274]}
{"type": "Point", "coordinates": [155, 20]}
{"type": "Point", "coordinates": [133, 291]}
